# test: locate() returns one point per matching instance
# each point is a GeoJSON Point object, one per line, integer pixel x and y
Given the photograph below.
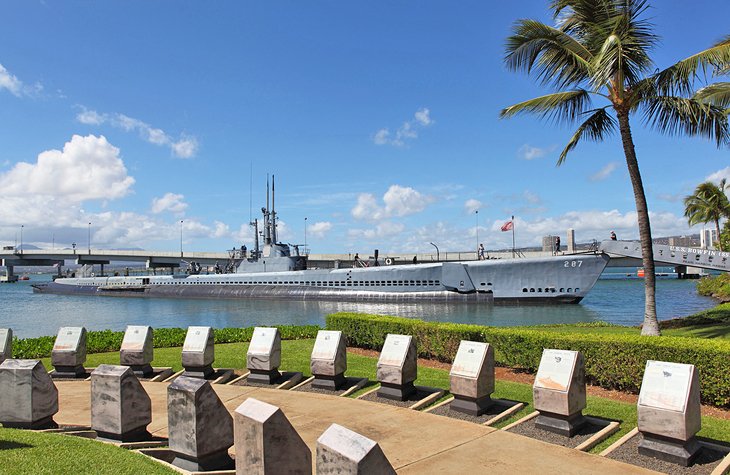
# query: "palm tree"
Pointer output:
{"type": "Point", "coordinates": [600, 49]}
{"type": "Point", "coordinates": [708, 203]}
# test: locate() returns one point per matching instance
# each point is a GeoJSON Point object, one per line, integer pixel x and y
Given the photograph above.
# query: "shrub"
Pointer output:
{"type": "Point", "coordinates": [614, 361]}
{"type": "Point", "coordinates": [107, 340]}
{"type": "Point", "coordinates": [718, 287]}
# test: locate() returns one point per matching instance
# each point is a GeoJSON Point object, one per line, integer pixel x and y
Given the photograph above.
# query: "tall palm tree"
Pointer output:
{"type": "Point", "coordinates": [600, 49]}
{"type": "Point", "coordinates": [708, 203]}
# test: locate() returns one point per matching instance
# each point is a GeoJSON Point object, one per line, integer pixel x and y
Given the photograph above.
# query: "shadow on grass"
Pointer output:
{"type": "Point", "coordinates": [11, 444]}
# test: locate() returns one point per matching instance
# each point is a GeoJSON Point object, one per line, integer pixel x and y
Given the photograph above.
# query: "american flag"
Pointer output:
{"type": "Point", "coordinates": [507, 226]}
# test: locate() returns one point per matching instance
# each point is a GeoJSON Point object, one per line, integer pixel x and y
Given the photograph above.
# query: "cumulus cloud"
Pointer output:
{"type": "Point", "coordinates": [719, 175]}
{"type": "Point", "coordinates": [171, 202]}
{"type": "Point", "coordinates": [320, 228]}
{"type": "Point", "coordinates": [528, 152]}
{"type": "Point", "coordinates": [604, 172]}
{"type": "Point", "coordinates": [472, 205]}
{"type": "Point", "coordinates": [184, 147]}
{"type": "Point", "coordinates": [88, 168]}
{"type": "Point", "coordinates": [407, 131]}
{"type": "Point", "coordinates": [15, 86]}
{"type": "Point", "coordinates": [381, 230]}
{"type": "Point", "coordinates": [398, 201]}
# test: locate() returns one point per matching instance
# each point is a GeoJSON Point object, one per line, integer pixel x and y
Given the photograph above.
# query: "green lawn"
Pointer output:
{"type": "Point", "coordinates": [296, 353]}
{"type": "Point", "coordinates": [25, 452]}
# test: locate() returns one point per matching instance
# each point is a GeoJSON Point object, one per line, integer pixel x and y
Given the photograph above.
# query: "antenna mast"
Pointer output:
{"type": "Point", "coordinates": [273, 209]}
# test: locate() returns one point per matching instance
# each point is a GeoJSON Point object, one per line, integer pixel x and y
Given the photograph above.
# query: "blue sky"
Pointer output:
{"type": "Point", "coordinates": [379, 120]}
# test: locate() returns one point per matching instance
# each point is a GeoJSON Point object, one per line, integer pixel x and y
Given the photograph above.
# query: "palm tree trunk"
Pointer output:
{"type": "Point", "coordinates": [651, 324]}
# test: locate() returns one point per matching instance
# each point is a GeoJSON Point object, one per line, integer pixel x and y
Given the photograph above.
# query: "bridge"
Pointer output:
{"type": "Point", "coordinates": [623, 254]}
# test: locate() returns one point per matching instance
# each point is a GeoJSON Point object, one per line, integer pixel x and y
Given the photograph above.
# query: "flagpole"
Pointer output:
{"type": "Point", "coordinates": [513, 236]}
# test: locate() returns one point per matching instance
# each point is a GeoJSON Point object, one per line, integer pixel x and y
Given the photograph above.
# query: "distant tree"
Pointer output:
{"type": "Point", "coordinates": [725, 236]}
{"type": "Point", "coordinates": [708, 203]}
{"type": "Point", "coordinates": [600, 48]}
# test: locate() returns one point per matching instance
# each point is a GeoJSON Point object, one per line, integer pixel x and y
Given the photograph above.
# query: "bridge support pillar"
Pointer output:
{"type": "Point", "coordinates": [9, 276]}
{"type": "Point", "coordinates": [681, 272]}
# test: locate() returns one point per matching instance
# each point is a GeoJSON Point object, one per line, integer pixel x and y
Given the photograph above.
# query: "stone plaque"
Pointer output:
{"type": "Point", "coordinates": [6, 344]}
{"type": "Point", "coordinates": [137, 349]}
{"type": "Point", "coordinates": [120, 407]}
{"type": "Point", "coordinates": [559, 392]}
{"type": "Point", "coordinates": [29, 398]}
{"type": "Point", "coordinates": [329, 360]}
{"type": "Point", "coordinates": [469, 358]}
{"type": "Point", "coordinates": [69, 352]}
{"type": "Point", "coordinates": [267, 443]}
{"type": "Point", "coordinates": [666, 385]}
{"type": "Point", "coordinates": [397, 367]}
{"type": "Point", "coordinates": [198, 352]}
{"type": "Point", "coordinates": [668, 412]}
{"type": "Point", "coordinates": [263, 357]}
{"type": "Point", "coordinates": [556, 369]}
{"type": "Point", "coordinates": [200, 428]}
{"type": "Point", "coordinates": [394, 350]}
{"type": "Point", "coordinates": [342, 451]}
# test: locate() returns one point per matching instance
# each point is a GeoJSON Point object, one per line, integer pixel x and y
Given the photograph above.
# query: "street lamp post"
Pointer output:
{"type": "Point", "coordinates": [21, 238]}
{"type": "Point", "coordinates": [305, 235]}
{"type": "Point", "coordinates": [88, 240]}
{"type": "Point", "coordinates": [476, 213]}
{"type": "Point", "coordinates": [181, 238]}
{"type": "Point", "coordinates": [438, 258]}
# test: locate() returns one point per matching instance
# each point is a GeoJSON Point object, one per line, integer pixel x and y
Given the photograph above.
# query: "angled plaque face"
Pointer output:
{"type": "Point", "coordinates": [196, 339]}
{"type": "Point", "coordinates": [666, 385]}
{"type": "Point", "coordinates": [326, 345]}
{"type": "Point", "coordinates": [262, 341]}
{"type": "Point", "coordinates": [68, 339]}
{"type": "Point", "coordinates": [469, 359]}
{"type": "Point", "coordinates": [135, 337]}
{"type": "Point", "coordinates": [6, 344]}
{"type": "Point", "coordinates": [556, 369]}
{"type": "Point", "coordinates": [394, 350]}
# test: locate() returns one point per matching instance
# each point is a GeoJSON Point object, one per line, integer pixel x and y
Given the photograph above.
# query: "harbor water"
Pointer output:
{"type": "Point", "coordinates": [618, 297]}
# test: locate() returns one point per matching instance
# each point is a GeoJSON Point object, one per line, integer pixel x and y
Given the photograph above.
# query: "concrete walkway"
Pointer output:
{"type": "Point", "coordinates": [414, 442]}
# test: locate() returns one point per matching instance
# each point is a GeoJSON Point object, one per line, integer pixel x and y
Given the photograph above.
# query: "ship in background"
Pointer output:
{"type": "Point", "coordinates": [275, 270]}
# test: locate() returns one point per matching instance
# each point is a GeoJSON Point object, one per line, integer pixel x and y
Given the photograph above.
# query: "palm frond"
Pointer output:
{"type": "Point", "coordinates": [556, 57]}
{"type": "Point", "coordinates": [717, 94]}
{"type": "Point", "coordinates": [678, 115]}
{"type": "Point", "coordinates": [560, 106]}
{"type": "Point", "coordinates": [598, 126]}
{"type": "Point", "coordinates": [678, 79]}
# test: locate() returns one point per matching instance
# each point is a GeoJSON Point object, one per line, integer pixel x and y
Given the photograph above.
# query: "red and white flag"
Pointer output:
{"type": "Point", "coordinates": [507, 226]}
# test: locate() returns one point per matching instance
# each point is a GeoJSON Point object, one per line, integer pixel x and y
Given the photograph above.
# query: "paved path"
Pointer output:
{"type": "Point", "coordinates": [414, 442]}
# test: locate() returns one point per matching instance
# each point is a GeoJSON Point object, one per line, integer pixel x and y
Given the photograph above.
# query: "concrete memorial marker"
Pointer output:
{"type": "Point", "coordinates": [137, 351]}
{"type": "Point", "coordinates": [329, 360]}
{"type": "Point", "coordinates": [6, 344]}
{"type": "Point", "coordinates": [264, 355]}
{"type": "Point", "coordinates": [200, 428]}
{"type": "Point", "coordinates": [28, 397]}
{"type": "Point", "coordinates": [69, 353]}
{"type": "Point", "coordinates": [267, 443]}
{"type": "Point", "coordinates": [198, 352]}
{"type": "Point", "coordinates": [472, 378]}
{"type": "Point", "coordinates": [397, 367]}
{"type": "Point", "coordinates": [559, 392]}
{"type": "Point", "coordinates": [669, 412]}
{"type": "Point", "coordinates": [341, 451]}
{"type": "Point", "coordinates": [120, 407]}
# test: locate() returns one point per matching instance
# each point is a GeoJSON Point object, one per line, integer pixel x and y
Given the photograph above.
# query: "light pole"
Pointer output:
{"type": "Point", "coordinates": [476, 213]}
{"type": "Point", "coordinates": [88, 240]}
{"type": "Point", "coordinates": [21, 238]}
{"type": "Point", "coordinates": [181, 240]}
{"type": "Point", "coordinates": [438, 258]}
{"type": "Point", "coordinates": [305, 236]}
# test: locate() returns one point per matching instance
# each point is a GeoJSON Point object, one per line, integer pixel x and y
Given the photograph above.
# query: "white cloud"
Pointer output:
{"type": "Point", "coordinates": [382, 230]}
{"type": "Point", "coordinates": [88, 168]}
{"type": "Point", "coordinates": [719, 175]}
{"type": "Point", "coordinates": [604, 172]}
{"type": "Point", "coordinates": [397, 201]}
{"type": "Point", "coordinates": [472, 205]}
{"type": "Point", "coordinates": [528, 152]}
{"type": "Point", "coordinates": [184, 147]}
{"type": "Point", "coordinates": [221, 230]}
{"type": "Point", "coordinates": [171, 202]}
{"type": "Point", "coordinates": [15, 86]}
{"type": "Point", "coordinates": [407, 131]}
{"type": "Point", "coordinates": [319, 229]}
{"type": "Point", "coordinates": [532, 198]}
